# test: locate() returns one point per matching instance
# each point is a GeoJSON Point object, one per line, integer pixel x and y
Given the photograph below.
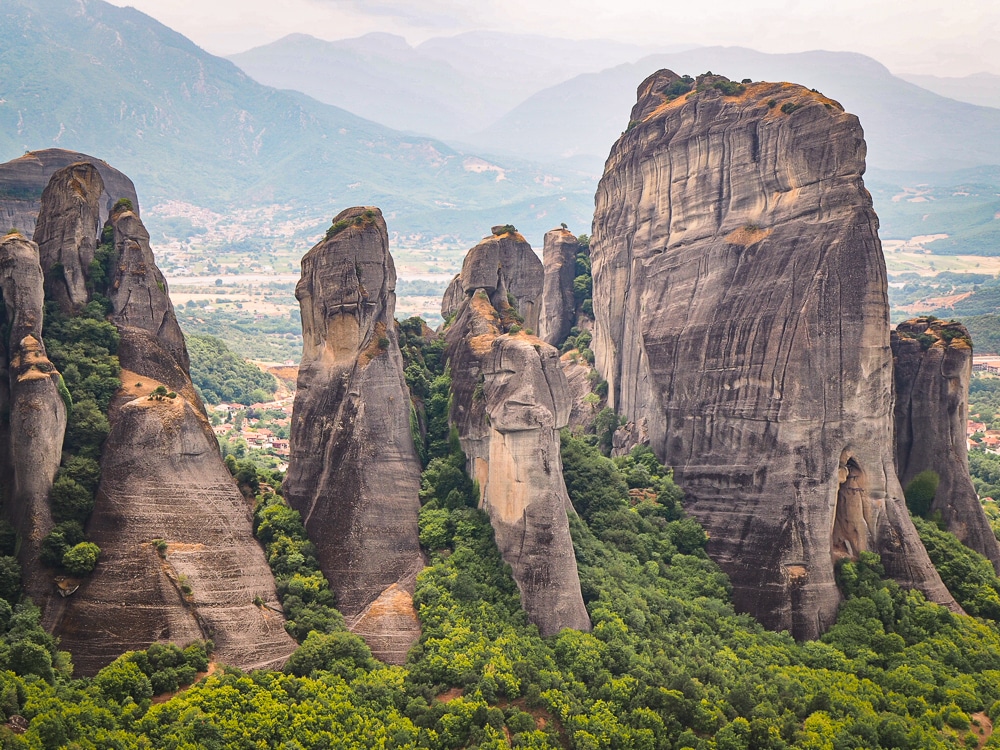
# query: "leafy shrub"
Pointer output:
{"type": "Point", "coordinates": [81, 559]}
{"type": "Point", "coordinates": [789, 107]}
{"type": "Point", "coordinates": [505, 229]}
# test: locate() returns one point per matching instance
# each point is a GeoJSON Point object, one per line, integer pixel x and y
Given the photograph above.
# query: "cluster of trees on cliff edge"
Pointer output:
{"type": "Point", "coordinates": [669, 664]}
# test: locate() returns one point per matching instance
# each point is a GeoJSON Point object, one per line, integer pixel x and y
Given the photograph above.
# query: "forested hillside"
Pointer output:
{"type": "Point", "coordinates": [668, 665]}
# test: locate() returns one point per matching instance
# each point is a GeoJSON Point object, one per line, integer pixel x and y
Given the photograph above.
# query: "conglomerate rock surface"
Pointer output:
{"type": "Point", "coordinates": [31, 437]}
{"type": "Point", "coordinates": [510, 397]}
{"type": "Point", "coordinates": [162, 478]}
{"type": "Point", "coordinates": [933, 366]}
{"type": "Point", "coordinates": [25, 178]}
{"type": "Point", "coordinates": [354, 473]}
{"type": "Point", "coordinates": [742, 320]}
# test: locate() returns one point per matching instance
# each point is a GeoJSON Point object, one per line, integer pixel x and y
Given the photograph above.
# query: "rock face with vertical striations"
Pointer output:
{"type": "Point", "coordinates": [31, 439]}
{"type": "Point", "coordinates": [24, 179]}
{"type": "Point", "coordinates": [933, 366]}
{"type": "Point", "coordinates": [68, 230]}
{"type": "Point", "coordinates": [162, 478]}
{"type": "Point", "coordinates": [502, 260]}
{"type": "Point", "coordinates": [354, 473]}
{"type": "Point", "coordinates": [742, 319]}
{"type": "Point", "coordinates": [509, 399]}
{"type": "Point", "coordinates": [558, 303]}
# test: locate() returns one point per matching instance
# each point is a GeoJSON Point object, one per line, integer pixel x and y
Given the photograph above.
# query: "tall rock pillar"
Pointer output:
{"type": "Point", "coordinates": [510, 398]}
{"type": "Point", "coordinates": [354, 473]}
{"type": "Point", "coordinates": [741, 315]}
{"type": "Point", "coordinates": [933, 365]}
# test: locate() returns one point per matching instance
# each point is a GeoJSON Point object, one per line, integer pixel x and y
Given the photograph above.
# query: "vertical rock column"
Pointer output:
{"type": "Point", "coordinates": [162, 478]}
{"type": "Point", "coordinates": [510, 398]}
{"type": "Point", "coordinates": [69, 225]}
{"type": "Point", "coordinates": [354, 473]}
{"type": "Point", "coordinates": [37, 421]}
{"type": "Point", "coordinates": [742, 318]}
{"type": "Point", "coordinates": [933, 365]}
{"type": "Point", "coordinates": [558, 301]}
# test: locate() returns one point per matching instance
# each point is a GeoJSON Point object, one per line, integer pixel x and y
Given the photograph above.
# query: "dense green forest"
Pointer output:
{"type": "Point", "coordinates": [669, 664]}
{"type": "Point", "coordinates": [220, 375]}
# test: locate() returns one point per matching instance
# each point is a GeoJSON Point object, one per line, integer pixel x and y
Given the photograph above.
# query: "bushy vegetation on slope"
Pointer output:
{"type": "Point", "coordinates": [219, 374]}
{"type": "Point", "coordinates": [668, 665]}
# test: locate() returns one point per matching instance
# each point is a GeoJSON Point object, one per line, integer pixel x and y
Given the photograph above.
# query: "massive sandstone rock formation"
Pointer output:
{"type": "Point", "coordinates": [933, 365]}
{"type": "Point", "coordinates": [742, 320]}
{"type": "Point", "coordinates": [162, 478]}
{"type": "Point", "coordinates": [504, 260]}
{"type": "Point", "coordinates": [24, 179]}
{"type": "Point", "coordinates": [31, 437]}
{"type": "Point", "coordinates": [558, 302]}
{"type": "Point", "coordinates": [509, 400]}
{"type": "Point", "coordinates": [354, 473]}
{"type": "Point", "coordinates": [68, 230]}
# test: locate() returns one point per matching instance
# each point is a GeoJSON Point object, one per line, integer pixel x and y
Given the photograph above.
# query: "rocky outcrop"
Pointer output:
{"type": "Point", "coordinates": [23, 180]}
{"type": "Point", "coordinates": [453, 297]}
{"type": "Point", "coordinates": [558, 303]}
{"type": "Point", "coordinates": [509, 400]}
{"type": "Point", "coordinates": [933, 366]}
{"type": "Point", "coordinates": [742, 319]}
{"type": "Point", "coordinates": [354, 472]}
{"type": "Point", "coordinates": [502, 264]}
{"type": "Point", "coordinates": [32, 437]}
{"type": "Point", "coordinates": [178, 556]}
{"type": "Point", "coordinates": [68, 229]}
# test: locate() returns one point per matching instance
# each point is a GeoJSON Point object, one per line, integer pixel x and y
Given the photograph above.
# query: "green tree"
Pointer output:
{"type": "Point", "coordinates": [81, 559]}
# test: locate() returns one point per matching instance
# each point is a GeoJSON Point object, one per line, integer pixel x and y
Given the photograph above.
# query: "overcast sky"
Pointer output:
{"type": "Point", "coordinates": [944, 37]}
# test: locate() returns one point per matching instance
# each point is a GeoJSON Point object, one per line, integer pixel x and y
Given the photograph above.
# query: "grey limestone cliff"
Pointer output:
{"type": "Point", "coordinates": [558, 302]}
{"type": "Point", "coordinates": [933, 365]}
{"type": "Point", "coordinates": [31, 438]}
{"type": "Point", "coordinates": [742, 324]}
{"type": "Point", "coordinates": [162, 478]}
{"type": "Point", "coordinates": [354, 473]}
{"type": "Point", "coordinates": [25, 178]}
{"type": "Point", "coordinates": [510, 397]}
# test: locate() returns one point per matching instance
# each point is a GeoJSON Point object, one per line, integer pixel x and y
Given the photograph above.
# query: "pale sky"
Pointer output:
{"type": "Point", "coordinates": [943, 37]}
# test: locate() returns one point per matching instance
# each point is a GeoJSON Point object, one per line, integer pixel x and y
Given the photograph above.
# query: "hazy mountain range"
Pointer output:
{"type": "Point", "coordinates": [448, 137]}
{"type": "Point", "coordinates": [446, 87]}
{"type": "Point", "coordinates": [186, 125]}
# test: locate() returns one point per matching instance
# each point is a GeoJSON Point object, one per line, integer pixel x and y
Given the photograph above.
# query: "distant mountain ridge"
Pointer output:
{"type": "Point", "coordinates": [446, 87]}
{"type": "Point", "coordinates": [186, 125]}
{"type": "Point", "coordinates": [906, 127]}
{"type": "Point", "coordinates": [979, 88]}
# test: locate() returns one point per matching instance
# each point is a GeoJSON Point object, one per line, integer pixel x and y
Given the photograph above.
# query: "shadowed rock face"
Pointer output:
{"type": "Point", "coordinates": [24, 179]}
{"type": "Point", "coordinates": [354, 472]}
{"type": "Point", "coordinates": [32, 438]}
{"type": "Point", "coordinates": [501, 264]}
{"type": "Point", "coordinates": [742, 323]}
{"type": "Point", "coordinates": [558, 303]}
{"type": "Point", "coordinates": [933, 365]}
{"type": "Point", "coordinates": [162, 478]}
{"type": "Point", "coordinates": [509, 399]}
{"type": "Point", "coordinates": [69, 224]}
